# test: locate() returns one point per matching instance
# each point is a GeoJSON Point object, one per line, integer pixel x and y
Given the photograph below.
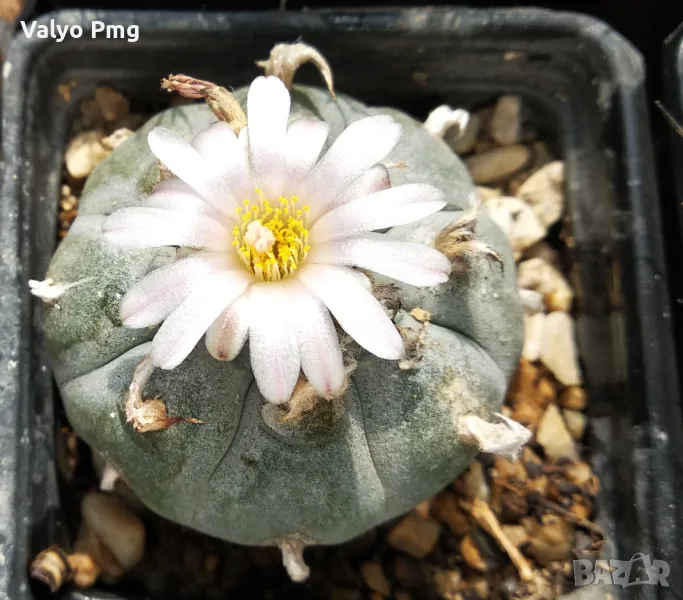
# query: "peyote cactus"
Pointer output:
{"type": "Point", "coordinates": [396, 394]}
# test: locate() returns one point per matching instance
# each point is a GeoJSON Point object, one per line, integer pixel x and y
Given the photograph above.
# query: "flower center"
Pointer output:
{"type": "Point", "coordinates": [271, 242]}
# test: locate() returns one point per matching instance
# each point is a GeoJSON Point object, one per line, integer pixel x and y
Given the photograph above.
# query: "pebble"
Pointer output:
{"type": "Point", "coordinates": [558, 348]}
{"type": "Point", "coordinates": [486, 193]}
{"type": "Point", "coordinates": [112, 104]}
{"type": "Point", "coordinates": [544, 191]}
{"type": "Point", "coordinates": [415, 535]}
{"type": "Point", "coordinates": [211, 562]}
{"type": "Point", "coordinates": [115, 528]}
{"type": "Point", "coordinates": [117, 138]}
{"type": "Point", "coordinates": [524, 394]}
{"type": "Point", "coordinates": [423, 509]}
{"type": "Point", "coordinates": [447, 583]}
{"type": "Point", "coordinates": [497, 164]}
{"type": "Point", "coordinates": [542, 155]}
{"type": "Point", "coordinates": [502, 467]}
{"type": "Point", "coordinates": [445, 508]}
{"type": "Point", "coordinates": [533, 336]}
{"type": "Point", "coordinates": [513, 506]}
{"type": "Point", "coordinates": [480, 585]}
{"type": "Point", "coordinates": [10, 10]}
{"type": "Point", "coordinates": [346, 594]}
{"type": "Point", "coordinates": [505, 125]}
{"type": "Point", "coordinates": [573, 397]}
{"type": "Point", "coordinates": [472, 555]}
{"type": "Point", "coordinates": [374, 577]}
{"type": "Point", "coordinates": [553, 435]}
{"type": "Point", "coordinates": [545, 251]}
{"type": "Point", "coordinates": [484, 145]}
{"type": "Point", "coordinates": [474, 482]}
{"type": "Point", "coordinates": [576, 422]}
{"type": "Point", "coordinates": [532, 301]}
{"type": "Point", "coordinates": [550, 540]}
{"type": "Point", "coordinates": [409, 572]}
{"type": "Point", "coordinates": [581, 474]}
{"type": "Point", "coordinates": [546, 391]}
{"type": "Point", "coordinates": [518, 221]}
{"type": "Point", "coordinates": [537, 274]}
{"type": "Point", "coordinates": [84, 153]}
{"type": "Point", "coordinates": [516, 534]}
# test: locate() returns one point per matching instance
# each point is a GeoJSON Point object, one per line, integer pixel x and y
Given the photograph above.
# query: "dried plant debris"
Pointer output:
{"type": "Point", "coordinates": [220, 100]}
{"type": "Point", "coordinates": [508, 527]}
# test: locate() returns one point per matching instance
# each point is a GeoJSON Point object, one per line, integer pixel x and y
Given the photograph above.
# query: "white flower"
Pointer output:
{"type": "Point", "coordinates": [277, 232]}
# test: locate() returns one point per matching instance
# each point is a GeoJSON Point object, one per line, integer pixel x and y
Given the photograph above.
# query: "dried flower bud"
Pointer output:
{"type": "Point", "coordinates": [221, 101]}
{"type": "Point", "coordinates": [457, 240]}
{"type": "Point", "coordinates": [285, 60]}
{"type": "Point", "coordinates": [48, 290]}
{"type": "Point", "coordinates": [51, 567]}
{"type": "Point", "coordinates": [148, 415]}
{"type": "Point", "coordinates": [444, 118]}
{"type": "Point", "coordinates": [505, 438]}
{"type": "Point", "coordinates": [293, 560]}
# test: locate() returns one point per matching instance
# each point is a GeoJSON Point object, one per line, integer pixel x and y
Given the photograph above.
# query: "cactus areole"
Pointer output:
{"type": "Point", "coordinates": [274, 311]}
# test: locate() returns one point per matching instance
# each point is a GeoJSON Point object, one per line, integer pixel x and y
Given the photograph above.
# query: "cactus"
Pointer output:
{"type": "Point", "coordinates": [235, 450]}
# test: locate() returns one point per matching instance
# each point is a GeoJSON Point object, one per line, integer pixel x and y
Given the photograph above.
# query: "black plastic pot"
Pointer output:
{"type": "Point", "coordinates": [582, 79]}
{"type": "Point", "coordinates": [673, 82]}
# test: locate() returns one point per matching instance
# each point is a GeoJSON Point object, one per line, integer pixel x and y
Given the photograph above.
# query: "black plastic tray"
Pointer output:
{"type": "Point", "coordinates": [583, 80]}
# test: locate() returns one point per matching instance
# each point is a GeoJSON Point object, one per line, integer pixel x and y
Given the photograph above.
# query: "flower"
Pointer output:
{"type": "Point", "coordinates": [275, 234]}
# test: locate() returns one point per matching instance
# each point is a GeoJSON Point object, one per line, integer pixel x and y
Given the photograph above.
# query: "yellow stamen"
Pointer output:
{"type": "Point", "coordinates": [272, 243]}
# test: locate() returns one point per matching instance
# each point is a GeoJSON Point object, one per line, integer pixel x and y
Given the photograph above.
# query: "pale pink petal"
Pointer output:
{"type": "Point", "coordinates": [230, 330]}
{"type": "Point", "coordinates": [272, 344]}
{"type": "Point", "coordinates": [361, 145]}
{"type": "Point", "coordinates": [216, 141]}
{"type": "Point", "coordinates": [182, 330]}
{"type": "Point", "coordinates": [305, 140]}
{"type": "Point", "coordinates": [268, 105]}
{"type": "Point", "coordinates": [244, 185]}
{"type": "Point", "coordinates": [362, 278]}
{"type": "Point", "coordinates": [395, 206]}
{"type": "Point", "coordinates": [194, 169]}
{"type": "Point", "coordinates": [355, 308]}
{"type": "Point", "coordinates": [186, 200]}
{"type": "Point", "coordinates": [319, 351]}
{"type": "Point", "coordinates": [375, 179]}
{"type": "Point", "coordinates": [229, 154]}
{"type": "Point", "coordinates": [160, 292]}
{"type": "Point", "coordinates": [415, 264]}
{"type": "Point", "coordinates": [143, 227]}
{"type": "Point", "coordinates": [173, 184]}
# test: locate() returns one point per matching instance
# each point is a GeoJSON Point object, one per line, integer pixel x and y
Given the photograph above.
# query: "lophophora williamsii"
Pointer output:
{"type": "Point", "coordinates": [282, 315]}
